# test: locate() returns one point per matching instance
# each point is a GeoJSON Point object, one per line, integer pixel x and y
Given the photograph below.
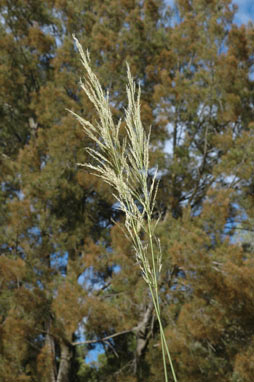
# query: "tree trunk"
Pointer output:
{"type": "Point", "coordinates": [143, 333]}
{"type": "Point", "coordinates": [65, 363]}
{"type": "Point", "coordinates": [50, 345]}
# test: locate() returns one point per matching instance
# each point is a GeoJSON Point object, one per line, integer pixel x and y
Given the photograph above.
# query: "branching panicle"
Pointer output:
{"type": "Point", "coordinates": [125, 166]}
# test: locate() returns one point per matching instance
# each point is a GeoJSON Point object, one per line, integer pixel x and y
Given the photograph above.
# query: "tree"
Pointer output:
{"type": "Point", "coordinates": [212, 335]}
{"type": "Point", "coordinates": [57, 217]}
{"type": "Point", "coordinates": [65, 266]}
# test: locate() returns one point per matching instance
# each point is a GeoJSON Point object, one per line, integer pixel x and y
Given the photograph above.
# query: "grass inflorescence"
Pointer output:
{"type": "Point", "coordinates": [124, 164]}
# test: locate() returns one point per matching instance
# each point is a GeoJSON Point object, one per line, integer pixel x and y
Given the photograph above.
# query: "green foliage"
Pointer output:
{"type": "Point", "coordinates": [65, 266]}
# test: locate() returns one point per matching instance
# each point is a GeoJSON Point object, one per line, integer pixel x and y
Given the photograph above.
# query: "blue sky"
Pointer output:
{"type": "Point", "coordinates": [245, 11]}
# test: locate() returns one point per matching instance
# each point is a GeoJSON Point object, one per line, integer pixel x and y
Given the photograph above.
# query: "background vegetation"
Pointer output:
{"type": "Point", "coordinates": [68, 276]}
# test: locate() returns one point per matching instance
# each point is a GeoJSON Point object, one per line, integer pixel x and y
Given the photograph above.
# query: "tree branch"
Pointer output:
{"type": "Point", "coordinates": [104, 339]}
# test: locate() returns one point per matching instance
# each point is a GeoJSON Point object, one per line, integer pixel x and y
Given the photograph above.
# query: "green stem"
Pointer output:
{"type": "Point", "coordinates": [163, 340]}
